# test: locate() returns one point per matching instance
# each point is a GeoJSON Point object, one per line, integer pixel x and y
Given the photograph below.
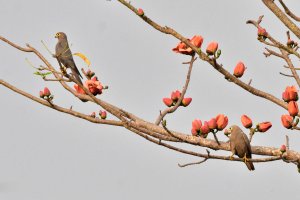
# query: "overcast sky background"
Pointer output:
{"type": "Point", "coordinates": [49, 155]}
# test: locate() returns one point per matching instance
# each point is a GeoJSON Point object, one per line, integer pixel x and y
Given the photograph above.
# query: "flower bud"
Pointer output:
{"type": "Point", "coordinates": [42, 94]}
{"type": "Point", "coordinates": [290, 94]}
{"type": "Point", "coordinates": [222, 121]}
{"type": "Point", "coordinates": [293, 108]}
{"type": "Point", "coordinates": [196, 124]}
{"type": "Point", "coordinates": [168, 102]}
{"type": "Point", "coordinates": [246, 121]}
{"type": "Point", "coordinates": [212, 48]}
{"type": "Point", "coordinates": [140, 12]}
{"type": "Point", "coordinates": [261, 32]}
{"type": "Point", "coordinates": [204, 128]}
{"type": "Point", "coordinates": [212, 124]}
{"type": "Point", "coordinates": [103, 114]}
{"type": "Point", "coordinates": [239, 69]}
{"type": "Point", "coordinates": [194, 132]}
{"type": "Point", "coordinates": [186, 101]}
{"type": "Point", "coordinates": [264, 126]}
{"type": "Point", "coordinates": [47, 92]}
{"type": "Point", "coordinates": [93, 115]}
{"type": "Point", "coordinates": [283, 148]}
{"type": "Point", "coordinates": [175, 95]}
{"type": "Point", "coordinates": [287, 121]}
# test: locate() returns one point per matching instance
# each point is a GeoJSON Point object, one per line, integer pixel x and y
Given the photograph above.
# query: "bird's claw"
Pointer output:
{"type": "Point", "coordinates": [246, 159]}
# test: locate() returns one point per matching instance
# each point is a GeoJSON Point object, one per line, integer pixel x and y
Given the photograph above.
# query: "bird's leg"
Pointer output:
{"type": "Point", "coordinates": [245, 158]}
{"type": "Point", "coordinates": [231, 156]}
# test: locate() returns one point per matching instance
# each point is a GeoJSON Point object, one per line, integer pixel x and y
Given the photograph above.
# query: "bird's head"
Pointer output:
{"type": "Point", "coordinates": [231, 129]}
{"type": "Point", "coordinates": [60, 35]}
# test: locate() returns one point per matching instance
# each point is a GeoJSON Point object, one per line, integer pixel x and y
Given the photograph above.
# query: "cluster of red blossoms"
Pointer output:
{"type": "Point", "coordinates": [196, 40]}
{"type": "Point", "coordinates": [260, 127]}
{"type": "Point", "coordinates": [213, 125]}
{"type": "Point", "coordinates": [175, 95]}
{"type": "Point", "coordinates": [94, 86]}
{"type": "Point", "coordinates": [102, 114]}
{"type": "Point", "coordinates": [290, 95]}
{"type": "Point", "coordinates": [46, 94]}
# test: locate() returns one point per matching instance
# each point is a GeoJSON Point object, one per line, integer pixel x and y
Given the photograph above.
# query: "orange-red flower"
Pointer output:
{"type": "Point", "coordinates": [204, 128]}
{"type": "Point", "coordinates": [222, 121]}
{"type": "Point", "coordinates": [183, 49]}
{"type": "Point", "coordinates": [140, 12]}
{"type": "Point", "coordinates": [246, 121]}
{"type": "Point", "coordinates": [103, 114]}
{"type": "Point", "coordinates": [94, 86]}
{"type": "Point", "coordinates": [186, 101]}
{"type": "Point", "coordinates": [47, 92]}
{"type": "Point", "coordinates": [168, 102]}
{"type": "Point", "coordinates": [290, 94]}
{"type": "Point", "coordinates": [79, 89]}
{"type": "Point", "coordinates": [239, 69]}
{"type": "Point", "coordinates": [212, 123]}
{"type": "Point", "coordinates": [283, 148]}
{"type": "Point", "coordinates": [261, 32]}
{"type": "Point", "coordinates": [196, 124]}
{"type": "Point", "coordinates": [264, 126]}
{"type": "Point", "coordinates": [287, 121]}
{"type": "Point", "coordinates": [175, 95]}
{"type": "Point", "coordinates": [293, 108]}
{"type": "Point", "coordinates": [212, 48]}
{"type": "Point", "coordinates": [194, 132]}
{"type": "Point", "coordinates": [42, 94]}
{"type": "Point", "coordinates": [93, 115]}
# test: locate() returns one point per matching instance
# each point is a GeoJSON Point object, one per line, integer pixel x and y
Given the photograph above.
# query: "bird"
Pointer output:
{"type": "Point", "coordinates": [64, 55]}
{"type": "Point", "coordinates": [240, 145]}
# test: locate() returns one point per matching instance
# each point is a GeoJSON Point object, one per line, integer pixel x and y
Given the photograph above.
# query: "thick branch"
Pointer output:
{"type": "Point", "coordinates": [282, 17]}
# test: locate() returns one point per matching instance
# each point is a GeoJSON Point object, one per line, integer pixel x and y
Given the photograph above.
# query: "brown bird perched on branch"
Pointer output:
{"type": "Point", "coordinates": [64, 55]}
{"type": "Point", "coordinates": [240, 145]}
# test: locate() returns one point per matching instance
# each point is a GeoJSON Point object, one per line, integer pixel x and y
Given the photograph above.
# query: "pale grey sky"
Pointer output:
{"type": "Point", "coordinates": [49, 155]}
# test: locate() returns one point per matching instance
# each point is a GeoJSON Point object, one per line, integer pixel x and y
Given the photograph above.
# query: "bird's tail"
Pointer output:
{"type": "Point", "coordinates": [250, 165]}
{"type": "Point", "coordinates": [76, 75]}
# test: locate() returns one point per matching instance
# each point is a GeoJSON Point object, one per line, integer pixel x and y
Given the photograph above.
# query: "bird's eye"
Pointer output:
{"type": "Point", "coordinates": [57, 34]}
{"type": "Point", "coordinates": [230, 128]}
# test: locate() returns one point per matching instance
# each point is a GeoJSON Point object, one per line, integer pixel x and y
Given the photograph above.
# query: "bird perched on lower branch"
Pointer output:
{"type": "Point", "coordinates": [64, 55]}
{"type": "Point", "coordinates": [240, 145]}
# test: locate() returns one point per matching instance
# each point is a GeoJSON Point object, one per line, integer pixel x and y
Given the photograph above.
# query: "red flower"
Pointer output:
{"type": "Point", "coordinates": [140, 12]}
{"type": "Point", "coordinates": [222, 121]}
{"type": "Point", "coordinates": [239, 69]}
{"type": "Point", "coordinates": [194, 132]}
{"type": "Point", "coordinates": [168, 102]}
{"type": "Point", "coordinates": [42, 94]}
{"type": "Point", "coordinates": [261, 32]}
{"type": "Point", "coordinates": [94, 86]}
{"type": "Point", "coordinates": [283, 148]}
{"type": "Point", "coordinates": [186, 101]}
{"type": "Point", "coordinates": [175, 95]}
{"type": "Point", "coordinates": [287, 121]}
{"type": "Point", "coordinates": [93, 115]}
{"type": "Point", "coordinates": [212, 124]}
{"type": "Point", "coordinates": [293, 108]}
{"type": "Point", "coordinates": [183, 49]}
{"type": "Point", "coordinates": [246, 121]}
{"type": "Point", "coordinates": [102, 114]}
{"type": "Point", "coordinates": [47, 92]}
{"type": "Point", "coordinates": [204, 128]}
{"type": "Point", "coordinates": [264, 126]}
{"type": "Point", "coordinates": [79, 89]}
{"type": "Point", "coordinates": [212, 48]}
{"type": "Point", "coordinates": [290, 94]}
{"type": "Point", "coordinates": [196, 124]}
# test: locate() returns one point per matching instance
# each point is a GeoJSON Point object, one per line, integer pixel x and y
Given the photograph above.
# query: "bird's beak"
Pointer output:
{"type": "Point", "coordinates": [56, 36]}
